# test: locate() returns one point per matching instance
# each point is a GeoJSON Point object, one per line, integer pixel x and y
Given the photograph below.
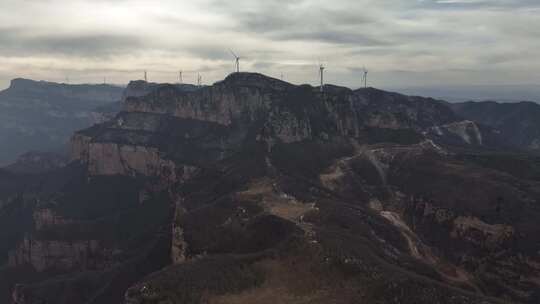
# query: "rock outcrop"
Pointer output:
{"type": "Point", "coordinates": [482, 234]}
{"type": "Point", "coordinates": [179, 246]}
{"type": "Point", "coordinates": [45, 255]}
{"type": "Point", "coordinates": [46, 218]}
{"type": "Point", "coordinates": [44, 252]}
{"type": "Point", "coordinates": [462, 131]}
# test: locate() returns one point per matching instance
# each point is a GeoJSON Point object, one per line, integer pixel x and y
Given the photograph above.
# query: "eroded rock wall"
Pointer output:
{"type": "Point", "coordinates": [54, 255]}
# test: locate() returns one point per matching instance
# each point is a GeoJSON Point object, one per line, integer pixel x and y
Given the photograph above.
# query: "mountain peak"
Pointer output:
{"type": "Point", "coordinates": [255, 80]}
{"type": "Point", "coordinates": [24, 83]}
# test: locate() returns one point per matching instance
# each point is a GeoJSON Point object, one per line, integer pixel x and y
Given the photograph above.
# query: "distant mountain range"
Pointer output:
{"type": "Point", "coordinates": [518, 123]}
{"type": "Point", "coordinates": [41, 116]}
{"type": "Point", "coordinates": [501, 93]}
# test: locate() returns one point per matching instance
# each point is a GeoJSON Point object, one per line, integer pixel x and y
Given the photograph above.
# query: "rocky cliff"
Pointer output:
{"type": "Point", "coordinates": [59, 256]}
{"type": "Point", "coordinates": [169, 126]}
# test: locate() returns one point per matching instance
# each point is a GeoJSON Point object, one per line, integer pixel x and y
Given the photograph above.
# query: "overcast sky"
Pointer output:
{"type": "Point", "coordinates": [402, 42]}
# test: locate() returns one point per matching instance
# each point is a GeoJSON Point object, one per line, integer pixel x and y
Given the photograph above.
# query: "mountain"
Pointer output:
{"type": "Point", "coordinates": [254, 190]}
{"type": "Point", "coordinates": [462, 93]}
{"type": "Point", "coordinates": [41, 116]}
{"type": "Point", "coordinates": [518, 123]}
{"type": "Point", "coordinates": [135, 88]}
{"type": "Point", "coordinates": [138, 88]}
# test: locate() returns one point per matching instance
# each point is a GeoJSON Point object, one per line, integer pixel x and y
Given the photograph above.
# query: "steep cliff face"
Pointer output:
{"type": "Point", "coordinates": [149, 145]}
{"type": "Point", "coordinates": [80, 145]}
{"type": "Point", "coordinates": [45, 255]}
{"type": "Point", "coordinates": [127, 160]}
{"type": "Point", "coordinates": [151, 134]}
{"type": "Point", "coordinates": [179, 246]}
{"type": "Point", "coordinates": [138, 88]}
{"type": "Point", "coordinates": [249, 97]}
{"type": "Point", "coordinates": [44, 252]}
{"type": "Point", "coordinates": [220, 103]}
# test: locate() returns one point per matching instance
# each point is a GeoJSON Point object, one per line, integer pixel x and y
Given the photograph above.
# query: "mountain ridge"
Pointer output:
{"type": "Point", "coordinates": [518, 122]}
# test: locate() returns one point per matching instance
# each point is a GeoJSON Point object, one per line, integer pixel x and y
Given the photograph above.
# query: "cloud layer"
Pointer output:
{"type": "Point", "coordinates": [402, 42]}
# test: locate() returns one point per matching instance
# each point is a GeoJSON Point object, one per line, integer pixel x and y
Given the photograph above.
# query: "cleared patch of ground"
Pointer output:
{"type": "Point", "coordinates": [291, 282]}
{"type": "Point", "coordinates": [422, 252]}
{"type": "Point", "coordinates": [267, 194]}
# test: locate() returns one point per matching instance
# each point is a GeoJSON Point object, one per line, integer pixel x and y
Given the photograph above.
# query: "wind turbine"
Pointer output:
{"type": "Point", "coordinates": [237, 61]}
{"type": "Point", "coordinates": [180, 77]}
{"type": "Point", "coordinates": [199, 79]}
{"type": "Point", "coordinates": [145, 76]}
{"type": "Point", "coordinates": [321, 73]}
{"type": "Point", "coordinates": [364, 76]}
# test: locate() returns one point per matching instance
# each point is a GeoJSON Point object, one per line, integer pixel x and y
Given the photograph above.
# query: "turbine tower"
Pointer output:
{"type": "Point", "coordinates": [180, 79]}
{"type": "Point", "coordinates": [199, 79]}
{"type": "Point", "coordinates": [145, 76]}
{"type": "Point", "coordinates": [364, 76]}
{"type": "Point", "coordinates": [321, 73]}
{"type": "Point", "coordinates": [237, 61]}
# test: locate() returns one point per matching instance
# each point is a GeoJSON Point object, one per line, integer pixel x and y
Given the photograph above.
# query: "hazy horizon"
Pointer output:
{"type": "Point", "coordinates": [451, 93]}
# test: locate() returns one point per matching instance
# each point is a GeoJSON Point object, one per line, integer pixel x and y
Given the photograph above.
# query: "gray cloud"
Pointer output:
{"type": "Point", "coordinates": [478, 4]}
{"type": "Point", "coordinates": [17, 42]}
{"type": "Point", "coordinates": [215, 52]}
{"type": "Point", "coordinates": [285, 21]}
{"type": "Point", "coordinates": [332, 37]}
{"type": "Point", "coordinates": [450, 41]}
